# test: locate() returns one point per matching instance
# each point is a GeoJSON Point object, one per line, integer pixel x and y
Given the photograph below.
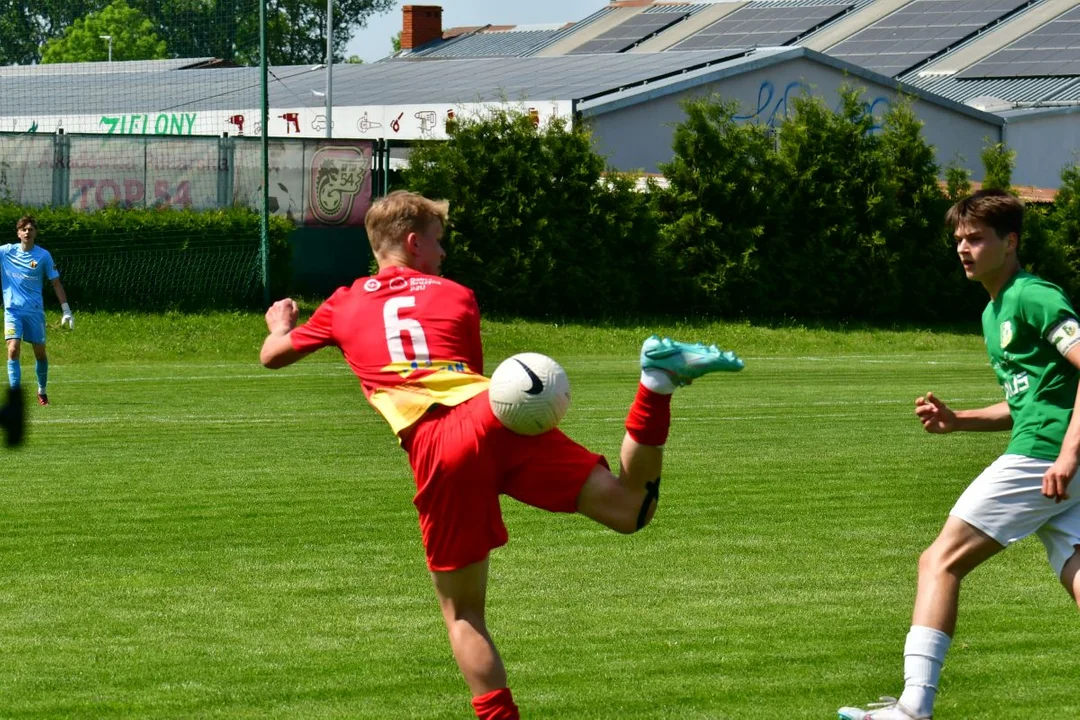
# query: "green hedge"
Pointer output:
{"type": "Point", "coordinates": [159, 259]}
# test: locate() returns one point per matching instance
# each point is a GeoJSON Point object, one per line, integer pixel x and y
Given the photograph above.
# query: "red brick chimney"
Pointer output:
{"type": "Point", "coordinates": [421, 24]}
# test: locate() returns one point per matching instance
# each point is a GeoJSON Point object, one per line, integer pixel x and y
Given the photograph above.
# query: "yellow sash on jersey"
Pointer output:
{"type": "Point", "coordinates": [436, 382]}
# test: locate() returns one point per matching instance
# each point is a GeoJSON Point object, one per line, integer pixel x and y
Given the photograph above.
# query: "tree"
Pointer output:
{"type": "Point", "coordinates": [721, 206]}
{"type": "Point", "coordinates": [536, 228]}
{"type": "Point", "coordinates": [998, 161]}
{"type": "Point", "coordinates": [355, 60]}
{"type": "Point", "coordinates": [25, 27]}
{"type": "Point", "coordinates": [395, 42]}
{"type": "Point", "coordinates": [225, 29]}
{"type": "Point", "coordinates": [132, 33]}
{"type": "Point", "coordinates": [229, 29]}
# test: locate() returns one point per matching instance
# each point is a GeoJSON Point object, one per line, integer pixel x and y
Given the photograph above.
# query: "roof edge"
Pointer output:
{"type": "Point", "coordinates": [756, 60]}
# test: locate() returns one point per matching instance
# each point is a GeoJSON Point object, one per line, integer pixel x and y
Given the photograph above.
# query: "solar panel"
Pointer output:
{"type": "Point", "coordinates": [918, 31]}
{"type": "Point", "coordinates": [761, 25]}
{"type": "Point", "coordinates": [1052, 49]}
{"type": "Point", "coordinates": [629, 33]}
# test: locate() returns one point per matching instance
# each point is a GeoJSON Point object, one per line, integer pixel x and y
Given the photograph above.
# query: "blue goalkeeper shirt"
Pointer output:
{"type": "Point", "coordinates": [24, 275]}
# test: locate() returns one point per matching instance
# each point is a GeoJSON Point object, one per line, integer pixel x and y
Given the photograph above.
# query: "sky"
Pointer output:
{"type": "Point", "coordinates": [373, 42]}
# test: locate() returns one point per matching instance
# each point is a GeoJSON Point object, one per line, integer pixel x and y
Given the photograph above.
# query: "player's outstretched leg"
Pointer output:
{"type": "Point", "coordinates": [626, 503]}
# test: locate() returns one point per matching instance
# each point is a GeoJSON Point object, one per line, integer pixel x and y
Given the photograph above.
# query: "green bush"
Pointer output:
{"type": "Point", "coordinates": [159, 259]}
{"type": "Point", "coordinates": [721, 211]}
{"type": "Point", "coordinates": [536, 228]}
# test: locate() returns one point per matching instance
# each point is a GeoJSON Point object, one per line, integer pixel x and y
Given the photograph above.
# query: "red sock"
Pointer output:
{"type": "Point", "coordinates": [496, 705]}
{"type": "Point", "coordinates": [649, 418]}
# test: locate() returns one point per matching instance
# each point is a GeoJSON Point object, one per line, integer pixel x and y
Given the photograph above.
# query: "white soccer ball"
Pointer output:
{"type": "Point", "coordinates": [529, 394]}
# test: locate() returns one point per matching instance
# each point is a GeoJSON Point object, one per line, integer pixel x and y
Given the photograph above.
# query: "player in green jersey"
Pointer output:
{"type": "Point", "coordinates": [1033, 339]}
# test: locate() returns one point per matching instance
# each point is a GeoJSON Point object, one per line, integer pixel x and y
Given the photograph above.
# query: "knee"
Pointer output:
{"type": "Point", "coordinates": [936, 561]}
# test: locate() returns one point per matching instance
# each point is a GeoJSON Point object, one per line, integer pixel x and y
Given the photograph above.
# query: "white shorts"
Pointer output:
{"type": "Point", "coordinates": [1006, 503]}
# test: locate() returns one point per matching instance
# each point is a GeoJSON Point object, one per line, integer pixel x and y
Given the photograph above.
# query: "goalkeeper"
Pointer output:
{"type": "Point", "coordinates": [24, 267]}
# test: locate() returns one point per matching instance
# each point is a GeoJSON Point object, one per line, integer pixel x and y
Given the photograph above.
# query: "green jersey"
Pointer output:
{"type": "Point", "coordinates": [1028, 328]}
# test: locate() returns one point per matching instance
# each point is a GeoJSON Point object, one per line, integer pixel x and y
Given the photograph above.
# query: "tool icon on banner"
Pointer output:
{"type": "Point", "coordinates": [427, 120]}
{"type": "Point", "coordinates": [365, 125]}
{"type": "Point", "coordinates": [238, 121]}
{"type": "Point", "coordinates": [396, 124]}
{"type": "Point", "coordinates": [292, 121]}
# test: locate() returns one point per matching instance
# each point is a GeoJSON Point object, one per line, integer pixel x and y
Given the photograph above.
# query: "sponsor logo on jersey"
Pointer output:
{"type": "Point", "coordinates": [372, 285]}
{"type": "Point", "coordinates": [399, 283]}
{"type": "Point", "coordinates": [1006, 333]}
{"type": "Point", "coordinates": [419, 284]}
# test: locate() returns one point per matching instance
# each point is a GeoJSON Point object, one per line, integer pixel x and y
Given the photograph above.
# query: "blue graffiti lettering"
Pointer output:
{"type": "Point", "coordinates": [773, 107]}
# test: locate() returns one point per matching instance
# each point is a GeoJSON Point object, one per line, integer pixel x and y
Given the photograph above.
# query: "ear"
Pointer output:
{"type": "Point", "coordinates": [1013, 241]}
{"type": "Point", "coordinates": [412, 243]}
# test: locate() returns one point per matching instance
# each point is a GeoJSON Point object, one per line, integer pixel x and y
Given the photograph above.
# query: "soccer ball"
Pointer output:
{"type": "Point", "coordinates": [529, 393]}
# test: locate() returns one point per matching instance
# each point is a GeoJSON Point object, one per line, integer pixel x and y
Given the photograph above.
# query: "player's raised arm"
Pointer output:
{"type": "Point", "coordinates": [277, 349]}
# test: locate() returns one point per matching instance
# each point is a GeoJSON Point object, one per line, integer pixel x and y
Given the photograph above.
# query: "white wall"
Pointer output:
{"type": "Point", "coordinates": [639, 137]}
{"type": "Point", "coordinates": [1044, 144]}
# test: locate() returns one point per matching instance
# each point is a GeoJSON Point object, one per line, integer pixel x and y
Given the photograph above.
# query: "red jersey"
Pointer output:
{"type": "Point", "coordinates": [412, 339]}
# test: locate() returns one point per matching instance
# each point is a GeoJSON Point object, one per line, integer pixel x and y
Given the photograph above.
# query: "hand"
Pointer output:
{"type": "Point", "coordinates": [935, 416]}
{"type": "Point", "coordinates": [1056, 480]}
{"type": "Point", "coordinates": [67, 320]}
{"type": "Point", "coordinates": [282, 316]}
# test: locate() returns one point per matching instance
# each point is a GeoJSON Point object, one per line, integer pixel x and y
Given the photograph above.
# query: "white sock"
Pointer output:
{"type": "Point", "coordinates": [924, 654]}
{"type": "Point", "coordinates": [658, 381]}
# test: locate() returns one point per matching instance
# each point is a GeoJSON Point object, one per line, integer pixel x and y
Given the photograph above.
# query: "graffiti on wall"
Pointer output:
{"type": "Point", "coordinates": [772, 105]}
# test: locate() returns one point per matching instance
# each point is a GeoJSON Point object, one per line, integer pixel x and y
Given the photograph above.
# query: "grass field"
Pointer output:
{"type": "Point", "coordinates": [187, 535]}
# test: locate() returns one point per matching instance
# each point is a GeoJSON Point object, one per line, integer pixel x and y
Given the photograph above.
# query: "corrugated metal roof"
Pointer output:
{"type": "Point", "coordinates": [123, 92]}
{"type": "Point", "coordinates": [504, 43]}
{"type": "Point", "coordinates": [500, 43]}
{"type": "Point", "coordinates": [436, 80]}
{"type": "Point", "coordinates": [689, 8]}
{"type": "Point", "coordinates": [101, 68]}
{"type": "Point", "coordinates": [802, 3]}
{"type": "Point", "coordinates": [1008, 89]}
{"type": "Point", "coordinates": [1069, 94]}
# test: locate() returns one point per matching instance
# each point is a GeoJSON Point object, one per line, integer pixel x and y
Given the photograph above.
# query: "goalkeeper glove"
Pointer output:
{"type": "Point", "coordinates": [67, 319]}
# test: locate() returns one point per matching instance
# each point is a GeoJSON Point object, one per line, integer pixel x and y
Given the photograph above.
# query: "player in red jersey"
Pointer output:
{"type": "Point", "coordinates": [413, 340]}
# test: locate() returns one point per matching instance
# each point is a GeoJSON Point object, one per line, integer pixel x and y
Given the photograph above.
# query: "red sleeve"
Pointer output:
{"type": "Point", "coordinates": [318, 331]}
{"type": "Point", "coordinates": [476, 346]}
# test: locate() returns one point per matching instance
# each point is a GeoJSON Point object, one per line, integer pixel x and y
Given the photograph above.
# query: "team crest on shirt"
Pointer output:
{"type": "Point", "coordinates": [33, 264]}
{"type": "Point", "coordinates": [1006, 333]}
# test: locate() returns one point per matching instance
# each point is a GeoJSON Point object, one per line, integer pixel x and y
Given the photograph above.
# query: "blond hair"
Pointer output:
{"type": "Point", "coordinates": [390, 219]}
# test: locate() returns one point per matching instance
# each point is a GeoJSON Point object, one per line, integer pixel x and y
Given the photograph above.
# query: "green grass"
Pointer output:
{"type": "Point", "coordinates": [187, 535]}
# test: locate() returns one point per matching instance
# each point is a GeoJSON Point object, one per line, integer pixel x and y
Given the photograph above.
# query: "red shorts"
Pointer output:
{"type": "Point", "coordinates": [463, 459]}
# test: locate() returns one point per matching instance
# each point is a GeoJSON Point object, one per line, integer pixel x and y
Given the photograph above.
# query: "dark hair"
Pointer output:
{"type": "Point", "coordinates": [997, 209]}
{"type": "Point", "coordinates": [26, 220]}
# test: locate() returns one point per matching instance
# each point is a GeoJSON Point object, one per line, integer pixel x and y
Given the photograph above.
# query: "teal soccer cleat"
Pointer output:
{"type": "Point", "coordinates": [686, 361]}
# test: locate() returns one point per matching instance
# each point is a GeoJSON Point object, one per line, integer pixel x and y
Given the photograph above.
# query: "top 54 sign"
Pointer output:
{"type": "Point", "coordinates": [373, 122]}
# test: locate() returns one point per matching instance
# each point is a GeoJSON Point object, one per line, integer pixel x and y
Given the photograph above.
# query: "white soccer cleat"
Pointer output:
{"type": "Point", "coordinates": [889, 708]}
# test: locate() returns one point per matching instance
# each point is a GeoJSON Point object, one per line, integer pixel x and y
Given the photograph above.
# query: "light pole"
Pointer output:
{"type": "Point", "coordinates": [109, 38]}
{"type": "Point", "coordinates": [329, 67]}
